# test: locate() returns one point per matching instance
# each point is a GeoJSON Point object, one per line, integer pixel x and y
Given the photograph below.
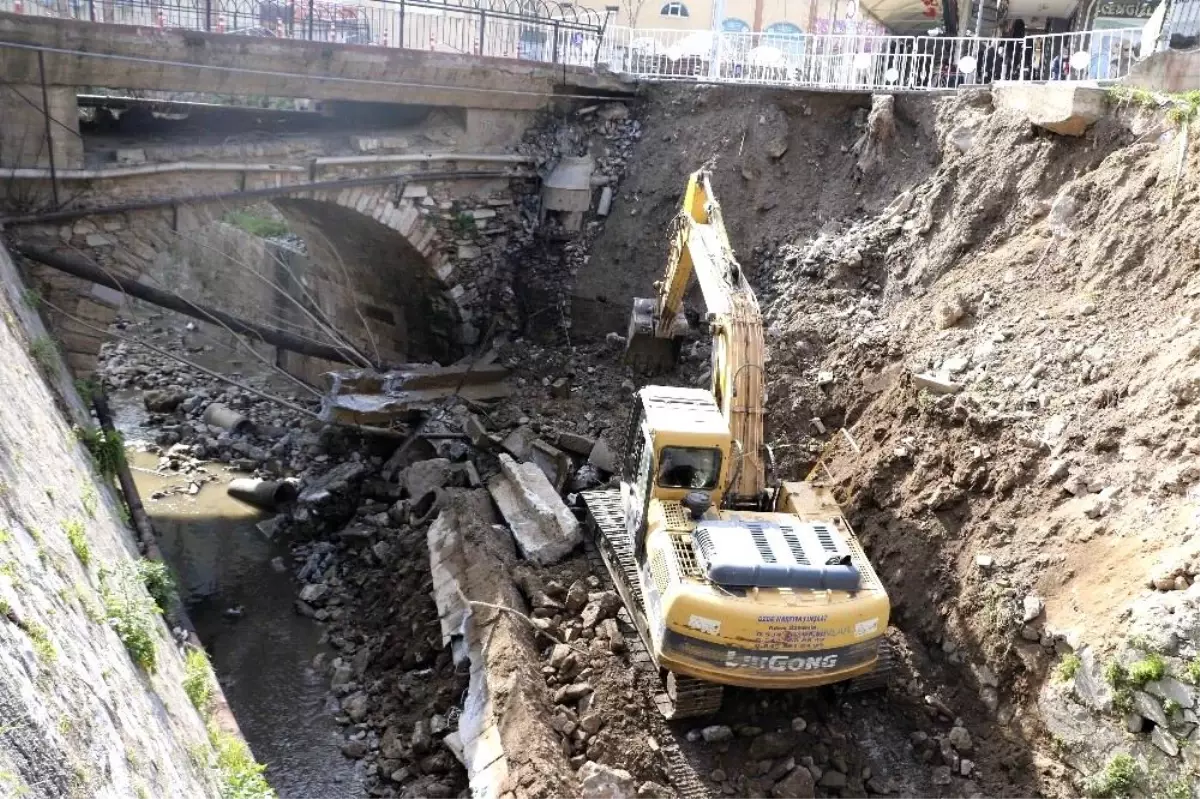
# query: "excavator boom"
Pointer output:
{"type": "Point", "coordinates": [700, 248]}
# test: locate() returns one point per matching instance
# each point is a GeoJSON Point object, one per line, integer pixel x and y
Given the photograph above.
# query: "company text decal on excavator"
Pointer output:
{"type": "Point", "coordinates": [730, 577]}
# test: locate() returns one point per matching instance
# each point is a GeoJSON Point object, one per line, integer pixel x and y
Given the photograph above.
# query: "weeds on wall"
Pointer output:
{"type": "Point", "coordinates": [107, 449]}
{"type": "Point", "coordinates": [132, 612]}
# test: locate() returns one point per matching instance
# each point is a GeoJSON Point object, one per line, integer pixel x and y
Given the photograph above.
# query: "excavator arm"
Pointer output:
{"type": "Point", "coordinates": [700, 248]}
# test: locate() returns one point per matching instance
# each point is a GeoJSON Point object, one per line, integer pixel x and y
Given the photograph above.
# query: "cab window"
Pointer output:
{"type": "Point", "coordinates": [689, 467]}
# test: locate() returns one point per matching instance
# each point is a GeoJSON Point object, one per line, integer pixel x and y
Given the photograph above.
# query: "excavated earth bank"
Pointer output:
{"type": "Point", "coordinates": [1003, 322]}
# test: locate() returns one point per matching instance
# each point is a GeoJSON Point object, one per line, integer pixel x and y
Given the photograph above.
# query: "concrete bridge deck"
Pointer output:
{"type": "Point", "coordinates": [80, 53]}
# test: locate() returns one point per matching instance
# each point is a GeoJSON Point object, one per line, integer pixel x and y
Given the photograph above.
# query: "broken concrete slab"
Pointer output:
{"type": "Point", "coordinates": [544, 528]}
{"type": "Point", "coordinates": [364, 396]}
{"type": "Point", "coordinates": [425, 477]}
{"type": "Point", "coordinates": [939, 383]}
{"type": "Point", "coordinates": [603, 457]}
{"type": "Point", "coordinates": [553, 462]}
{"type": "Point", "coordinates": [504, 727]}
{"type": "Point", "coordinates": [576, 443]}
{"type": "Point", "coordinates": [519, 442]}
{"type": "Point", "coordinates": [1063, 108]}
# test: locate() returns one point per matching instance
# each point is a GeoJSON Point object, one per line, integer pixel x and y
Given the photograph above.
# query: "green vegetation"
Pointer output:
{"type": "Point", "coordinates": [197, 683]}
{"type": "Point", "coordinates": [91, 608]}
{"type": "Point", "coordinates": [1118, 679]}
{"type": "Point", "coordinates": [41, 641]}
{"type": "Point", "coordinates": [1182, 106]}
{"type": "Point", "coordinates": [86, 389]}
{"type": "Point", "coordinates": [132, 613]}
{"type": "Point", "coordinates": [1179, 789]}
{"type": "Point", "coordinates": [256, 225]}
{"type": "Point", "coordinates": [32, 298]}
{"type": "Point", "coordinates": [1067, 668]}
{"type": "Point", "coordinates": [1150, 668]}
{"type": "Point", "coordinates": [1171, 707]}
{"type": "Point", "coordinates": [89, 499]}
{"type": "Point", "coordinates": [1116, 780]}
{"type": "Point", "coordinates": [1192, 672]}
{"type": "Point", "coordinates": [107, 449]}
{"type": "Point", "coordinates": [158, 581]}
{"type": "Point", "coordinates": [5, 535]}
{"type": "Point", "coordinates": [241, 777]}
{"type": "Point", "coordinates": [44, 352]}
{"type": "Point", "coordinates": [78, 538]}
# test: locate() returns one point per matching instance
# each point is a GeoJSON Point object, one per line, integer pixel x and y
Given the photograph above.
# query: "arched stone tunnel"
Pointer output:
{"type": "Point", "coordinates": [377, 268]}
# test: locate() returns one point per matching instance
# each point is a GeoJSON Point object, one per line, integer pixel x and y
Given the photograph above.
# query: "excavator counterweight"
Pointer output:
{"type": "Point", "coordinates": [730, 580]}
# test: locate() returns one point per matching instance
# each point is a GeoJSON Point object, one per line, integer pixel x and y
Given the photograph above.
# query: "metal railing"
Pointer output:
{"type": "Point", "coordinates": [541, 31]}
{"type": "Point", "coordinates": [868, 63]}
{"type": "Point", "coordinates": [523, 29]}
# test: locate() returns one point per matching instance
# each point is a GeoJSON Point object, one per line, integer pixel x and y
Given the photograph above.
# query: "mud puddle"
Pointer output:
{"type": "Point", "coordinates": [241, 606]}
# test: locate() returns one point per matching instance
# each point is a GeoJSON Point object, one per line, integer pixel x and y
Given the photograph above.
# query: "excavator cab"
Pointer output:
{"type": "Point", "coordinates": [676, 444]}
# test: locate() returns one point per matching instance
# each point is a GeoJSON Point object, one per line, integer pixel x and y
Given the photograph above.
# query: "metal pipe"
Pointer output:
{"type": "Point", "coordinates": [46, 118]}
{"type": "Point", "coordinates": [78, 267]}
{"type": "Point", "coordinates": [270, 191]}
{"type": "Point", "coordinates": [418, 158]}
{"type": "Point", "coordinates": [30, 173]}
{"type": "Point", "coordinates": [226, 418]}
{"type": "Point", "coordinates": [265, 494]}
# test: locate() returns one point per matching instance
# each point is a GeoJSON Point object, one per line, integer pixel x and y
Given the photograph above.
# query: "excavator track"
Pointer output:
{"type": "Point", "coordinates": [878, 678]}
{"type": "Point", "coordinates": [610, 551]}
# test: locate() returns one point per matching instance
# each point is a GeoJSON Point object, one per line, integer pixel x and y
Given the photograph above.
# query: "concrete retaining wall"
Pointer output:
{"type": "Point", "coordinates": [79, 718]}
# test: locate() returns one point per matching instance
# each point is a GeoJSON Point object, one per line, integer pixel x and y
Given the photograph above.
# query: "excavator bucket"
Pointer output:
{"type": "Point", "coordinates": [644, 351]}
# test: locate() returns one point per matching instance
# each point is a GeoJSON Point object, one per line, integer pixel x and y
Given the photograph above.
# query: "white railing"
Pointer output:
{"type": "Point", "coordinates": [838, 62]}
{"type": "Point", "coordinates": [868, 63]}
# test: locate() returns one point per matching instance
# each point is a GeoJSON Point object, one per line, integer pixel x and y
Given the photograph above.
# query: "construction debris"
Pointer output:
{"type": "Point", "coordinates": [364, 396]}
{"type": "Point", "coordinates": [545, 529]}
{"type": "Point", "coordinates": [482, 616]}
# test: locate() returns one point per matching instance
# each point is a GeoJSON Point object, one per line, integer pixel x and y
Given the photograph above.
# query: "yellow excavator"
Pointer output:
{"type": "Point", "coordinates": [730, 579]}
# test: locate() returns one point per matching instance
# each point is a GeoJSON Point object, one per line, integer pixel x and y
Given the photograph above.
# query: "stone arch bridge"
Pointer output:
{"type": "Point", "coordinates": [399, 247]}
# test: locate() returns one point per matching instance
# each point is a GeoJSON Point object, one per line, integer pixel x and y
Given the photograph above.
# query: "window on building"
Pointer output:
{"type": "Point", "coordinates": [734, 25]}
{"type": "Point", "coordinates": [674, 10]}
{"type": "Point", "coordinates": [783, 29]}
{"type": "Point", "coordinates": [785, 37]}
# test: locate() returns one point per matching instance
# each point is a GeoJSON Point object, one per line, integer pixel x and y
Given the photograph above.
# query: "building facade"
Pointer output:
{"type": "Point", "coordinates": [782, 18]}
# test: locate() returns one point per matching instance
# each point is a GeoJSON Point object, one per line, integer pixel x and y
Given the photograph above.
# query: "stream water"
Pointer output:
{"type": "Point", "coordinates": [262, 656]}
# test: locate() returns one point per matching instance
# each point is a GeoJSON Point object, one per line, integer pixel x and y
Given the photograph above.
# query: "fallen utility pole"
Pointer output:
{"type": "Point", "coordinates": [78, 267]}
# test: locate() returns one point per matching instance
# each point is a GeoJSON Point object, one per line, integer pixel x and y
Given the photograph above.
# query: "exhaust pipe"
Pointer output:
{"type": "Point", "coordinates": [265, 494]}
{"type": "Point", "coordinates": [218, 415]}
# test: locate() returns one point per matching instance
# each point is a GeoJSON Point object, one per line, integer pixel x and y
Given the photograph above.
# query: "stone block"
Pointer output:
{"type": "Point", "coordinates": [544, 528]}
{"type": "Point", "coordinates": [1063, 108]}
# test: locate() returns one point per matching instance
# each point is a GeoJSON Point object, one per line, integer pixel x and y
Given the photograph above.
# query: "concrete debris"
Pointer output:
{"type": "Point", "coordinates": [373, 398]}
{"type": "Point", "coordinates": [597, 781]}
{"type": "Point", "coordinates": [544, 528]}
{"type": "Point", "coordinates": [939, 383]}
{"type": "Point", "coordinates": [470, 559]}
{"type": "Point", "coordinates": [603, 457]}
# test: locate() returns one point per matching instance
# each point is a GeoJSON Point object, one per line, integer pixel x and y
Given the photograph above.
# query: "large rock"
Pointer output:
{"type": "Point", "coordinates": [796, 785]}
{"type": "Point", "coordinates": [597, 781]}
{"type": "Point", "coordinates": [770, 745]}
{"type": "Point", "coordinates": [544, 528]}
{"type": "Point", "coordinates": [1062, 108]}
{"type": "Point", "coordinates": [425, 477]}
{"type": "Point", "coordinates": [1173, 689]}
{"type": "Point", "coordinates": [163, 400]}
